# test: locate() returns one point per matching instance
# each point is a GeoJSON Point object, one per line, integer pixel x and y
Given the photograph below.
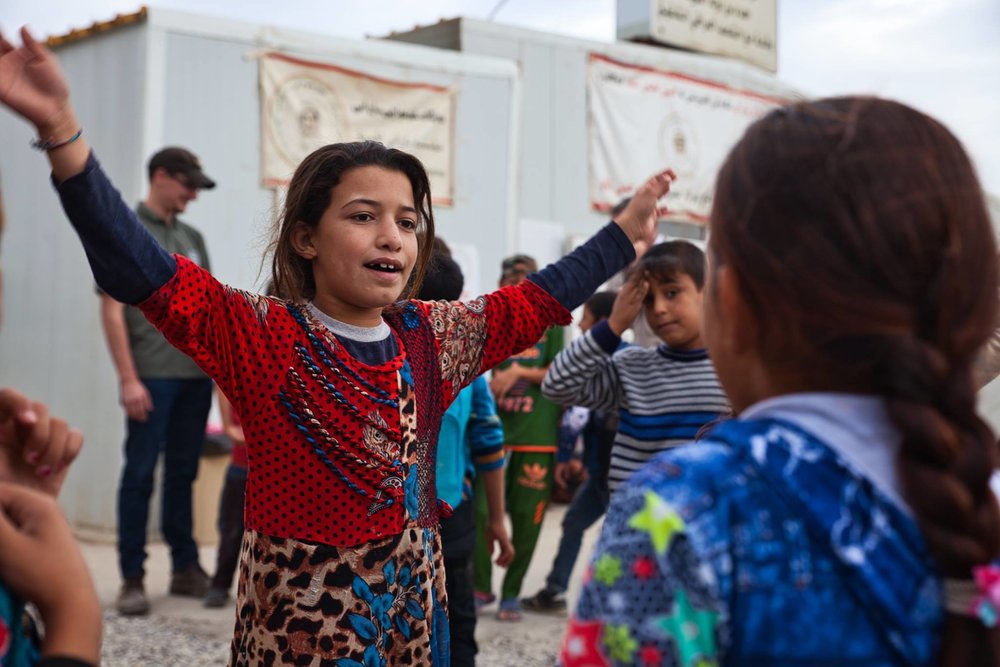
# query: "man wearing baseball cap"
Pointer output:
{"type": "Point", "coordinates": [166, 398]}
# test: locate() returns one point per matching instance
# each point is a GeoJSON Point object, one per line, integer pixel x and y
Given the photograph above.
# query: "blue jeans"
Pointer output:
{"type": "Point", "coordinates": [589, 504]}
{"type": "Point", "coordinates": [177, 427]}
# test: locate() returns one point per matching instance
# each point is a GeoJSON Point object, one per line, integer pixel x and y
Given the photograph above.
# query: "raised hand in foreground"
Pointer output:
{"type": "Point", "coordinates": [33, 86]}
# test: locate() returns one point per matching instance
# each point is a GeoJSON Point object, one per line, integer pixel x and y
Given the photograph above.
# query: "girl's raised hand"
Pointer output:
{"type": "Point", "coordinates": [33, 85]}
{"type": "Point", "coordinates": [638, 220]}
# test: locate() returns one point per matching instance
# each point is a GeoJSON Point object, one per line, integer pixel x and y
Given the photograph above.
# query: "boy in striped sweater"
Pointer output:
{"type": "Point", "coordinates": [664, 395]}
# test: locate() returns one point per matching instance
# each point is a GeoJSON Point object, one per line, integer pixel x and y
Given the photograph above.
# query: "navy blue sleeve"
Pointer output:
{"type": "Point", "coordinates": [574, 278]}
{"type": "Point", "coordinates": [128, 262]}
{"type": "Point", "coordinates": [607, 339]}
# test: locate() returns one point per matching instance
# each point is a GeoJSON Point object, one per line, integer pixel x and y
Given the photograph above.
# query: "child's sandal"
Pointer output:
{"type": "Point", "coordinates": [509, 611]}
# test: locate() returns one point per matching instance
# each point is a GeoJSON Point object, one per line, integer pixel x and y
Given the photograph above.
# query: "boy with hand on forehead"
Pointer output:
{"type": "Point", "coordinates": [663, 395]}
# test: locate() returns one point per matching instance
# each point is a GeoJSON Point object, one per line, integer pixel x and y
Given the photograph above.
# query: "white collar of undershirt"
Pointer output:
{"type": "Point", "coordinates": [373, 334]}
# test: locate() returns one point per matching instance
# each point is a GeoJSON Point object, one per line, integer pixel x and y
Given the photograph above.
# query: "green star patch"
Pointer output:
{"type": "Point", "coordinates": [621, 645]}
{"type": "Point", "coordinates": [693, 631]}
{"type": "Point", "coordinates": [607, 569]}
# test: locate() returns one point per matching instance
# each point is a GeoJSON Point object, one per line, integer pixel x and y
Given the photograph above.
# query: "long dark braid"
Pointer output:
{"type": "Point", "coordinates": [859, 234]}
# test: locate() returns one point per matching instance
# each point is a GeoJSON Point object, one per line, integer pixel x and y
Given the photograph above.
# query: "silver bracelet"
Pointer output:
{"type": "Point", "coordinates": [50, 143]}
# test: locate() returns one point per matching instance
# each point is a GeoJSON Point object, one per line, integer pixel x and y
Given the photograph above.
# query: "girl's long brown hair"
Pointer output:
{"type": "Point", "coordinates": [862, 245]}
{"type": "Point", "coordinates": [309, 196]}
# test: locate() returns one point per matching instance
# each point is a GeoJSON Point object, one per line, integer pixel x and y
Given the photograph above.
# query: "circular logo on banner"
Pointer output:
{"type": "Point", "coordinates": [678, 145]}
{"type": "Point", "coordinates": [304, 114]}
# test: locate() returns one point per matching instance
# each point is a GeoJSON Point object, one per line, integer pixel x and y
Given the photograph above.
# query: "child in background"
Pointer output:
{"type": "Point", "coordinates": [591, 500]}
{"type": "Point", "coordinates": [230, 507]}
{"type": "Point", "coordinates": [845, 517]}
{"type": "Point", "coordinates": [531, 431]}
{"type": "Point", "coordinates": [664, 395]}
{"type": "Point", "coordinates": [40, 561]}
{"type": "Point", "coordinates": [470, 446]}
{"type": "Point", "coordinates": [569, 472]}
{"type": "Point", "coordinates": [341, 387]}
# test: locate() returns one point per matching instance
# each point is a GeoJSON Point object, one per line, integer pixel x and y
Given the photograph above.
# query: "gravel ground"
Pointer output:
{"type": "Point", "coordinates": [160, 642]}
{"type": "Point", "coordinates": [509, 650]}
{"type": "Point", "coordinates": [170, 642]}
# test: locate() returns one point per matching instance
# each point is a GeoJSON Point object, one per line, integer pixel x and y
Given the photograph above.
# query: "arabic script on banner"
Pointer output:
{"type": "Point", "coordinates": [744, 29]}
{"type": "Point", "coordinates": [305, 105]}
{"type": "Point", "coordinates": [643, 120]}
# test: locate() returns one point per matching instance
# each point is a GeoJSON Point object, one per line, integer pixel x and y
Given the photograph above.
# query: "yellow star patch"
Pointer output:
{"type": "Point", "coordinates": [659, 520]}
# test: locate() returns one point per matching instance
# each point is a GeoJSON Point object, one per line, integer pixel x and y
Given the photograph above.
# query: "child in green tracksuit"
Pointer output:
{"type": "Point", "coordinates": [531, 428]}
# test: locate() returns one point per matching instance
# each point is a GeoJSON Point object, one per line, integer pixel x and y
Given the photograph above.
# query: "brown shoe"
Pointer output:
{"type": "Point", "coordinates": [191, 581]}
{"type": "Point", "coordinates": [132, 599]}
{"type": "Point", "coordinates": [216, 597]}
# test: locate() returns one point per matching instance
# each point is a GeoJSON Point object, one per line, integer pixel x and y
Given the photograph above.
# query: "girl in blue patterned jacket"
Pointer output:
{"type": "Point", "coordinates": [845, 517]}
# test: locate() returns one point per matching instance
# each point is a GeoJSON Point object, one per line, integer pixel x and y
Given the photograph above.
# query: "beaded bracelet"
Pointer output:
{"type": "Point", "coordinates": [51, 144]}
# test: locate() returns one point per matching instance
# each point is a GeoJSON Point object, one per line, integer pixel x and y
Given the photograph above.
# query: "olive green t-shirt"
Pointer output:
{"type": "Point", "coordinates": [154, 356]}
{"type": "Point", "coordinates": [531, 421]}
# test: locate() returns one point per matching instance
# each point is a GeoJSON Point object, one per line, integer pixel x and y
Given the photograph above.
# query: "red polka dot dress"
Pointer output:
{"type": "Point", "coordinates": [341, 561]}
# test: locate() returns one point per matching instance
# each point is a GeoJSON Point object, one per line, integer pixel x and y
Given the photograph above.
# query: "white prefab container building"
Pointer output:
{"type": "Point", "coordinates": [554, 163]}
{"type": "Point", "coordinates": [166, 78]}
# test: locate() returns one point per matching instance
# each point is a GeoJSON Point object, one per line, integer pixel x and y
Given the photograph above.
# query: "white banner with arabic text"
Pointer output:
{"type": "Point", "coordinates": [744, 29]}
{"type": "Point", "coordinates": [643, 120]}
{"type": "Point", "coordinates": [306, 104]}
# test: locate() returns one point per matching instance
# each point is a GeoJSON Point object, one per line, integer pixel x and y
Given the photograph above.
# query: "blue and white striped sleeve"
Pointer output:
{"type": "Point", "coordinates": [585, 373]}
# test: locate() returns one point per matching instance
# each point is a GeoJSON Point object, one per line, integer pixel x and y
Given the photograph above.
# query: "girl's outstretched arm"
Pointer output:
{"type": "Point", "coordinates": [126, 260]}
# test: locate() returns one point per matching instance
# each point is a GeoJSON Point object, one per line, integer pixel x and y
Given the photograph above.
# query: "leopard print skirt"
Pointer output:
{"type": "Point", "coordinates": [379, 604]}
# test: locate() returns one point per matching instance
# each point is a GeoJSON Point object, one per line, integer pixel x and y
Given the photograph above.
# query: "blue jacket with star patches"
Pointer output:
{"type": "Point", "coordinates": [760, 545]}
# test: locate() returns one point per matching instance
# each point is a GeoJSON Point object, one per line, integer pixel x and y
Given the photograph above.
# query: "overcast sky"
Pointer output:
{"type": "Point", "coordinates": [942, 56]}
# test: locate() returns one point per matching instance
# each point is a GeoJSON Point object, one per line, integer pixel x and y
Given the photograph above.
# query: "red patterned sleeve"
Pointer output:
{"type": "Point", "coordinates": [234, 336]}
{"type": "Point", "coordinates": [475, 336]}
